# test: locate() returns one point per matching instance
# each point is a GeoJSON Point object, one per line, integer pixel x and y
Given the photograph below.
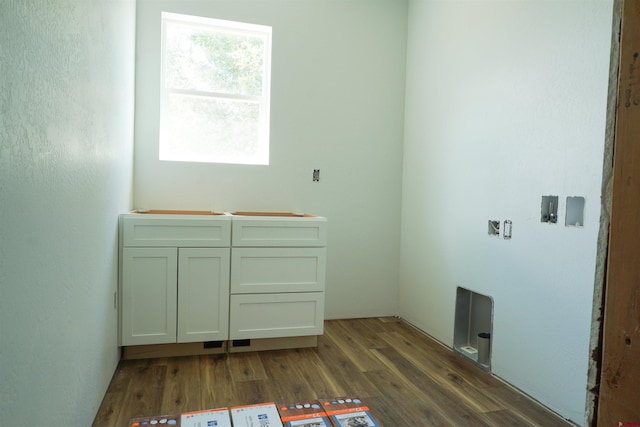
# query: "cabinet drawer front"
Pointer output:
{"type": "Point", "coordinates": [183, 231]}
{"type": "Point", "coordinates": [268, 270]}
{"type": "Point", "coordinates": [149, 300]}
{"type": "Point", "coordinates": [276, 315]}
{"type": "Point", "coordinates": [298, 232]}
{"type": "Point", "coordinates": [203, 294]}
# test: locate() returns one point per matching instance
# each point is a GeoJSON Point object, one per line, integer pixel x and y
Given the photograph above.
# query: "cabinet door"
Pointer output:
{"type": "Point", "coordinates": [149, 295]}
{"type": "Point", "coordinates": [203, 294]}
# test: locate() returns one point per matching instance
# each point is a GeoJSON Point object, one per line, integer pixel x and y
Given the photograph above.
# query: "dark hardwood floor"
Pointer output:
{"type": "Point", "coordinates": [406, 378]}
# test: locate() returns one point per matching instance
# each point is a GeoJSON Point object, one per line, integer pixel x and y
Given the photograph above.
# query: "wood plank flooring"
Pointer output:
{"type": "Point", "coordinates": [406, 378]}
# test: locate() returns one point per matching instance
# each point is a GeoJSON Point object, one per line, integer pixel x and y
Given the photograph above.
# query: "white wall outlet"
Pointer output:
{"type": "Point", "coordinates": [508, 226]}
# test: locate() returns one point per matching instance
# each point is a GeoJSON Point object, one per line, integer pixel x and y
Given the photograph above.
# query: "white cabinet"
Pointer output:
{"type": "Point", "coordinates": [192, 278]}
{"type": "Point", "coordinates": [174, 280]}
{"type": "Point", "coordinates": [277, 277]}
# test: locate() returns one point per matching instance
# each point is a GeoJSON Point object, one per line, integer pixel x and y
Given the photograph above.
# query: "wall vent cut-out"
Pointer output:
{"type": "Point", "coordinates": [212, 344]}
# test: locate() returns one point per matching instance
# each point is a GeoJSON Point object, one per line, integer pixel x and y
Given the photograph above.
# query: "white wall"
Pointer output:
{"type": "Point", "coordinates": [506, 102]}
{"type": "Point", "coordinates": [66, 143]}
{"type": "Point", "coordinates": [337, 105]}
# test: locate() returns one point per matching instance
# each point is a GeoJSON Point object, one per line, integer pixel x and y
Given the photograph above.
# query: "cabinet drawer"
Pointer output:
{"type": "Point", "coordinates": [276, 315]}
{"type": "Point", "coordinates": [269, 270]}
{"type": "Point", "coordinates": [269, 232]}
{"type": "Point", "coordinates": [165, 230]}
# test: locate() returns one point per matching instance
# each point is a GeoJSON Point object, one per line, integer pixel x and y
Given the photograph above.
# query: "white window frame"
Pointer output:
{"type": "Point", "coordinates": [263, 100]}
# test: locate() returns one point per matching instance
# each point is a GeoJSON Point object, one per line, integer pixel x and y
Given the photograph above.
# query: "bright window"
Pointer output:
{"type": "Point", "coordinates": [215, 86]}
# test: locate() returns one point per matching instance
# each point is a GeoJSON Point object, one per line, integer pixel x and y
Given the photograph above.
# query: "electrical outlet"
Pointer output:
{"type": "Point", "coordinates": [507, 229]}
{"type": "Point", "coordinates": [316, 175]}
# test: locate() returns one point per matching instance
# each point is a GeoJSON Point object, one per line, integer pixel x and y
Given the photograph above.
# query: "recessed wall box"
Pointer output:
{"type": "Point", "coordinates": [494, 228]}
{"type": "Point", "coordinates": [575, 212]}
{"type": "Point", "coordinates": [473, 316]}
{"type": "Point", "coordinates": [549, 209]}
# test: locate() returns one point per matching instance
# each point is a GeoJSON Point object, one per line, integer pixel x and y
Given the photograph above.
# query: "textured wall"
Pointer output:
{"type": "Point", "coordinates": [337, 99]}
{"type": "Point", "coordinates": [506, 102]}
{"type": "Point", "coordinates": [66, 123]}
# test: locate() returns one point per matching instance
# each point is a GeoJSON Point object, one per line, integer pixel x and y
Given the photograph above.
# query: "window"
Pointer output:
{"type": "Point", "coordinates": [215, 85]}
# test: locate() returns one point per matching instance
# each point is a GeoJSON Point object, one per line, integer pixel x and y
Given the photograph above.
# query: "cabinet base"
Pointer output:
{"type": "Point", "coordinates": [197, 348]}
{"type": "Point", "coordinates": [275, 344]}
{"type": "Point", "coordinates": [170, 350]}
